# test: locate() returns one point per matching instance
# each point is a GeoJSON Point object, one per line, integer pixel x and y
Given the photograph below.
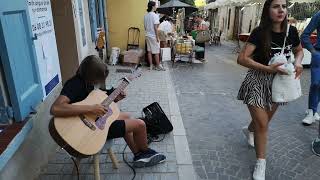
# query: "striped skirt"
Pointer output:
{"type": "Point", "coordinates": [256, 89]}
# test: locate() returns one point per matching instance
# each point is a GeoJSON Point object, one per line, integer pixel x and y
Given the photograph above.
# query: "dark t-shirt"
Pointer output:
{"type": "Point", "coordinates": [277, 39]}
{"type": "Point", "coordinates": [76, 89]}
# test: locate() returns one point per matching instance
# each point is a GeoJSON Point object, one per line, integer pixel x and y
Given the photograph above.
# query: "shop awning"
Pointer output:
{"type": "Point", "coordinates": [303, 1]}
{"type": "Point", "coordinates": [220, 3]}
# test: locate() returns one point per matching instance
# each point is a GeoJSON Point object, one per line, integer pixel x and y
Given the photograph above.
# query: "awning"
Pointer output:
{"type": "Point", "coordinates": [220, 3]}
{"type": "Point", "coordinates": [303, 1]}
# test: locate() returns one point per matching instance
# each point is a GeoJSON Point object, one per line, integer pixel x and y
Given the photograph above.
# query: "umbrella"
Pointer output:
{"type": "Point", "coordinates": [168, 7]}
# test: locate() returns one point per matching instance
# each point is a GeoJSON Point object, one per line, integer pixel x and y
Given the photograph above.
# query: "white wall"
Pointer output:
{"type": "Point", "coordinates": [89, 48]}
{"type": "Point", "coordinates": [249, 14]}
{"type": "Point", "coordinates": [223, 22]}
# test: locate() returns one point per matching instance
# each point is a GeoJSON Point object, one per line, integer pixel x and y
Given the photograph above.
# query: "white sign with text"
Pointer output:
{"type": "Point", "coordinates": [45, 43]}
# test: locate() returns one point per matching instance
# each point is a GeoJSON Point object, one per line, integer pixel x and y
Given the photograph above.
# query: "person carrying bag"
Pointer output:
{"type": "Point", "coordinates": [285, 87]}
{"type": "Point", "coordinates": [273, 40]}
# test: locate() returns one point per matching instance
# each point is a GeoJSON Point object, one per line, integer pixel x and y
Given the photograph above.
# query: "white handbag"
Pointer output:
{"type": "Point", "coordinates": [285, 88]}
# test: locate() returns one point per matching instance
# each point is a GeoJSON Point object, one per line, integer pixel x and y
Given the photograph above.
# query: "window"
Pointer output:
{"type": "Point", "coordinates": [98, 14]}
{"type": "Point", "coordinates": [93, 18]}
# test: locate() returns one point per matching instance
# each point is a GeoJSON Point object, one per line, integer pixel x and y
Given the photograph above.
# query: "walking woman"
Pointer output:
{"type": "Point", "coordinates": [202, 26]}
{"type": "Point", "coordinates": [265, 42]}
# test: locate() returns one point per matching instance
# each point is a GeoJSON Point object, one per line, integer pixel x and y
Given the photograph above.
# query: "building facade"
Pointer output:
{"type": "Point", "coordinates": [232, 20]}
{"type": "Point", "coordinates": [121, 16]}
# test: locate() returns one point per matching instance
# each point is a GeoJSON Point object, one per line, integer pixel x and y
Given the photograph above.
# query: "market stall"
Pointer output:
{"type": "Point", "coordinates": [182, 45]}
{"type": "Point", "coordinates": [178, 43]}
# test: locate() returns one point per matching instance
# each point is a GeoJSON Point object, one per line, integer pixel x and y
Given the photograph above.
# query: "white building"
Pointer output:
{"type": "Point", "coordinates": [233, 17]}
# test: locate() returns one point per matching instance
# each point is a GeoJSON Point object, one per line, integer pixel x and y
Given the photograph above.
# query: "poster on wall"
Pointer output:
{"type": "Point", "coordinates": [45, 44]}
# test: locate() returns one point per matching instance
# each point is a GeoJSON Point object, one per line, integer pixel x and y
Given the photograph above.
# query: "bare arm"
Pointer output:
{"type": "Point", "coordinates": [156, 26]}
{"type": "Point", "coordinates": [62, 108]}
{"type": "Point", "coordinates": [298, 56]}
{"type": "Point", "coordinates": [245, 60]}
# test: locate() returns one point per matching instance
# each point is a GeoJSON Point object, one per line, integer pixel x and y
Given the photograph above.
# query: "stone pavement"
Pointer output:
{"type": "Point", "coordinates": [213, 120]}
{"type": "Point", "coordinates": [152, 86]}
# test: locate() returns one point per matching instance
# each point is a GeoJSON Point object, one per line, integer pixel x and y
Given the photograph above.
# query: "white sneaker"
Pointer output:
{"type": "Point", "coordinates": [159, 68]}
{"type": "Point", "coordinates": [151, 67]}
{"type": "Point", "coordinates": [316, 116]}
{"type": "Point", "coordinates": [309, 119]}
{"type": "Point", "coordinates": [249, 135]}
{"type": "Point", "coordinates": [259, 172]}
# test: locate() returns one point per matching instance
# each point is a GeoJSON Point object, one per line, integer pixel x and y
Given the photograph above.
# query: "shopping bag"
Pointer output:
{"type": "Point", "coordinates": [203, 36]}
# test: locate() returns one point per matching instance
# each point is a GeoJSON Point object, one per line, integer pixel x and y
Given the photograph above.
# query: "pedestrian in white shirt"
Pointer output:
{"type": "Point", "coordinates": [165, 29]}
{"type": "Point", "coordinates": [151, 24]}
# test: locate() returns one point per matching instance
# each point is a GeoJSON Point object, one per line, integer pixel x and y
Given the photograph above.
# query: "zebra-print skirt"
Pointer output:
{"type": "Point", "coordinates": [256, 89]}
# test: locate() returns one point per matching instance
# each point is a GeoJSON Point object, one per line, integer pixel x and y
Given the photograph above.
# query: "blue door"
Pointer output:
{"type": "Point", "coordinates": [18, 58]}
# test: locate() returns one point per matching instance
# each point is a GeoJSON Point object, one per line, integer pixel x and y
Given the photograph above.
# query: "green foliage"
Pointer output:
{"type": "Point", "coordinates": [301, 11]}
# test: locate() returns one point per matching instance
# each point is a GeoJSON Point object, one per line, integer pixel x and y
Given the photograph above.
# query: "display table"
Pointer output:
{"type": "Point", "coordinates": [182, 48]}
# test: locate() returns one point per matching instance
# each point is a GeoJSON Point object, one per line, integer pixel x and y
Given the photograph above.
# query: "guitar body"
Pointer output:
{"type": "Point", "coordinates": [77, 138]}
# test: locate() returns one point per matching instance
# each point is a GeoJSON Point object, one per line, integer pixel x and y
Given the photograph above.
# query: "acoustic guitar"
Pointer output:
{"type": "Point", "coordinates": [86, 134]}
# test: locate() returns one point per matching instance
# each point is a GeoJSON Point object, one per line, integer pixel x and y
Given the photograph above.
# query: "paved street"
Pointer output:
{"type": "Point", "coordinates": [200, 101]}
{"type": "Point", "coordinates": [213, 119]}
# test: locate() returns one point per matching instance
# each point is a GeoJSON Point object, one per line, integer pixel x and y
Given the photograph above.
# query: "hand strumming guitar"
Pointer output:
{"type": "Point", "coordinates": [97, 110]}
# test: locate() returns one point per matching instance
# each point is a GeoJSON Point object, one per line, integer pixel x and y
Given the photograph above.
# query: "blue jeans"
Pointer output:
{"type": "Point", "coordinates": [314, 93]}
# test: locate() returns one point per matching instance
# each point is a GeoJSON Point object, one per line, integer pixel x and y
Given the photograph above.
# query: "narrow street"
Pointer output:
{"type": "Point", "coordinates": [213, 119]}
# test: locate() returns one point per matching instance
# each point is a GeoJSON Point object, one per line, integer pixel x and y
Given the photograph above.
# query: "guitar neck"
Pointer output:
{"type": "Point", "coordinates": [115, 93]}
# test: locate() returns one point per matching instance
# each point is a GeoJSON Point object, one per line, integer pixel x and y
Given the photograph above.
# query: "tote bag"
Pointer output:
{"type": "Point", "coordinates": [285, 88]}
{"type": "Point", "coordinates": [203, 36]}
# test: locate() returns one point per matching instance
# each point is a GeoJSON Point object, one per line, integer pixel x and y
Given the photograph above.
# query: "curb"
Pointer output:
{"type": "Point", "coordinates": [183, 155]}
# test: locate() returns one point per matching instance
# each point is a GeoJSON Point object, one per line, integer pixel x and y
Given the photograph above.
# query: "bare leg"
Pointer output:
{"type": "Point", "coordinates": [150, 58]}
{"type": "Point", "coordinates": [157, 59]}
{"type": "Point", "coordinates": [124, 115]}
{"type": "Point", "coordinates": [272, 112]}
{"type": "Point", "coordinates": [136, 135]}
{"type": "Point", "coordinates": [130, 141]}
{"type": "Point", "coordinates": [261, 121]}
{"type": "Point", "coordinates": [270, 115]}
